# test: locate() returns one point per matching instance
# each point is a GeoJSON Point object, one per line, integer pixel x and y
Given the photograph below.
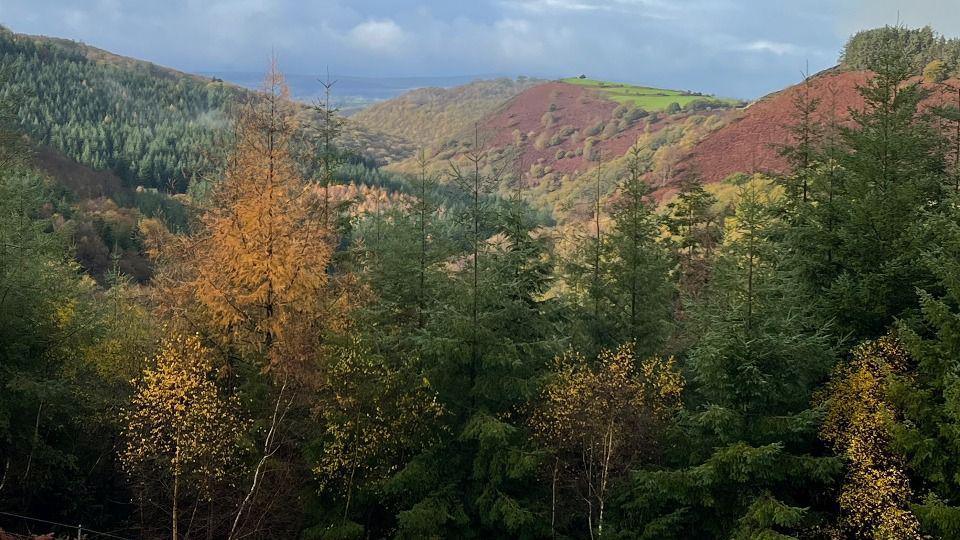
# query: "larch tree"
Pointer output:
{"type": "Point", "coordinates": [256, 271]}
{"type": "Point", "coordinates": [254, 279]}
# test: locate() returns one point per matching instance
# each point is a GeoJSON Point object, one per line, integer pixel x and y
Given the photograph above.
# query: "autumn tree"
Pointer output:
{"type": "Point", "coordinates": [876, 495]}
{"type": "Point", "coordinates": [375, 412]}
{"type": "Point", "coordinates": [182, 434]}
{"type": "Point", "coordinates": [600, 418]}
{"type": "Point", "coordinates": [254, 280]}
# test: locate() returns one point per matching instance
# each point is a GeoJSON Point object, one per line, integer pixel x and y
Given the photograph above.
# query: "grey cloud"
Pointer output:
{"type": "Point", "coordinates": [741, 48]}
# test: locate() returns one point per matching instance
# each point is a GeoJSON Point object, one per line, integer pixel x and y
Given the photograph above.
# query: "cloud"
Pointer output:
{"type": "Point", "coordinates": [718, 46]}
{"type": "Point", "coordinates": [654, 9]}
{"type": "Point", "coordinates": [942, 15]}
{"type": "Point", "coordinates": [774, 47]}
{"type": "Point", "coordinates": [380, 36]}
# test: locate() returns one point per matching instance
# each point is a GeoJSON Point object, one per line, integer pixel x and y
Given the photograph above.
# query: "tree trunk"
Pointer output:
{"type": "Point", "coordinates": [176, 496]}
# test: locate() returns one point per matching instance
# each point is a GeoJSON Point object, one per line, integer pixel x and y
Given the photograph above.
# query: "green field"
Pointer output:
{"type": "Point", "coordinates": [651, 99]}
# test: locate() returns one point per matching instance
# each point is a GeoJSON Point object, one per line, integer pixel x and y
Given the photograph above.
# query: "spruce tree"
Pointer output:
{"type": "Point", "coordinates": [484, 352]}
{"type": "Point", "coordinates": [928, 396]}
{"type": "Point", "coordinates": [637, 267]}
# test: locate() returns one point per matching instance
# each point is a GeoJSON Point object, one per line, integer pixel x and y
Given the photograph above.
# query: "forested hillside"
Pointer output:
{"type": "Point", "coordinates": [149, 125]}
{"type": "Point", "coordinates": [326, 350]}
{"type": "Point", "coordinates": [430, 117]}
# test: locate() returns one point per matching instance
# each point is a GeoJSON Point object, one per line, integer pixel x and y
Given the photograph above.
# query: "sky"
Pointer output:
{"type": "Point", "coordinates": [732, 48]}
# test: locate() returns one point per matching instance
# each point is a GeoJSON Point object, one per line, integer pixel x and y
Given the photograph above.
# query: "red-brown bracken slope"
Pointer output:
{"type": "Point", "coordinates": [572, 107]}
{"type": "Point", "coordinates": [751, 141]}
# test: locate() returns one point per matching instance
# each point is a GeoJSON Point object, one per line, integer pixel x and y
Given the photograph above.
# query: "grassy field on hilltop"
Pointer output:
{"type": "Point", "coordinates": [649, 98]}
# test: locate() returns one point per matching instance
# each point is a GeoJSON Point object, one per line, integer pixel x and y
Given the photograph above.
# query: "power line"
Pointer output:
{"type": "Point", "coordinates": [78, 527]}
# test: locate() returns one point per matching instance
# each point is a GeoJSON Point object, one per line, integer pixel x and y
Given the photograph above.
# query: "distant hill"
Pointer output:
{"type": "Point", "coordinates": [561, 129]}
{"type": "Point", "coordinates": [149, 125]}
{"type": "Point", "coordinates": [350, 93]}
{"type": "Point", "coordinates": [432, 116]}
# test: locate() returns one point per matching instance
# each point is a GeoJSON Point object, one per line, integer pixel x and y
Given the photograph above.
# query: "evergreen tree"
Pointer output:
{"type": "Point", "coordinates": [857, 246]}
{"type": "Point", "coordinates": [696, 231]}
{"type": "Point", "coordinates": [746, 459]}
{"type": "Point", "coordinates": [484, 352]}
{"type": "Point", "coordinates": [638, 267]}
{"type": "Point", "coordinates": [928, 394]}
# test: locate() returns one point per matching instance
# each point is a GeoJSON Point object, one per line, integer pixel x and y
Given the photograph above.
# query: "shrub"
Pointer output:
{"type": "Point", "coordinates": [595, 129]}
{"type": "Point", "coordinates": [936, 71]}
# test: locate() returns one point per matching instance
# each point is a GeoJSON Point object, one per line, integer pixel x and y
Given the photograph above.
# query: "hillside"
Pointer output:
{"type": "Point", "coordinates": [561, 129]}
{"type": "Point", "coordinates": [149, 125]}
{"type": "Point", "coordinates": [432, 116]}
{"type": "Point", "coordinates": [750, 142]}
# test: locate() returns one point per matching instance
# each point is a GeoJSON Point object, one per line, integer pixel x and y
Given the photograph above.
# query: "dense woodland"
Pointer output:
{"type": "Point", "coordinates": [438, 363]}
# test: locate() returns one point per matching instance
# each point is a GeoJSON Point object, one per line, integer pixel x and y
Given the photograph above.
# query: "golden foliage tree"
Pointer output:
{"type": "Point", "coordinates": [876, 494]}
{"type": "Point", "coordinates": [257, 270]}
{"type": "Point", "coordinates": [602, 416]}
{"type": "Point", "coordinates": [254, 279]}
{"type": "Point", "coordinates": [180, 427]}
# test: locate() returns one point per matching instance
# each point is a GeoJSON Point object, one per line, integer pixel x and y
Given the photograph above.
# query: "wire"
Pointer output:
{"type": "Point", "coordinates": [98, 533]}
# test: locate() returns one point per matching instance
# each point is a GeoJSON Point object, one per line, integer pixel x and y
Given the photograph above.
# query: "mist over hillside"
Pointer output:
{"type": "Point", "coordinates": [349, 93]}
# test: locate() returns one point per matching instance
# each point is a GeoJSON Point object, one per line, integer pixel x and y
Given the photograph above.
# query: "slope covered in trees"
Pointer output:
{"type": "Point", "coordinates": [149, 125]}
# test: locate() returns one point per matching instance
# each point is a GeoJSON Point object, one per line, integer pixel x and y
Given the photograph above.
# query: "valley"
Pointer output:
{"type": "Point", "coordinates": [248, 305]}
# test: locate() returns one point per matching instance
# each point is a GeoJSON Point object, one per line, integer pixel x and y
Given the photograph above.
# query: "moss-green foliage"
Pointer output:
{"type": "Point", "coordinates": [648, 98]}
{"type": "Point", "coordinates": [150, 127]}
